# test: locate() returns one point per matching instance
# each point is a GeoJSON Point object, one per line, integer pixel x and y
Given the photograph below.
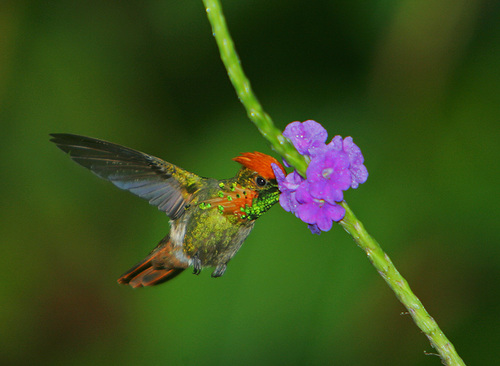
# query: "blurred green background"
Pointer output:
{"type": "Point", "coordinates": [417, 84]}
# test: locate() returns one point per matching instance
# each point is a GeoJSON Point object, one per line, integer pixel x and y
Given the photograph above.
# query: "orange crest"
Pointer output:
{"type": "Point", "coordinates": [260, 163]}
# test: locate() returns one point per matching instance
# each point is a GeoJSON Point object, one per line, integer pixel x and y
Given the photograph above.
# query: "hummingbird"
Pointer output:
{"type": "Point", "coordinates": [209, 218]}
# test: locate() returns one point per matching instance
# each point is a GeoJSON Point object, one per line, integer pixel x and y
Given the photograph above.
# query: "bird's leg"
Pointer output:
{"type": "Point", "coordinates": [196, 264]}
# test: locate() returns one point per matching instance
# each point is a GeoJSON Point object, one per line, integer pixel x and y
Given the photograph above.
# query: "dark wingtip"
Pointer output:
{"type": "Point", "coordinates": [61, 138]}
{"type": "Point", "coordinates": [54, 136]}
{"type": "Point", "coordinates": [57, 135]}
{"type": "Point", "coordinates": [65, 137]}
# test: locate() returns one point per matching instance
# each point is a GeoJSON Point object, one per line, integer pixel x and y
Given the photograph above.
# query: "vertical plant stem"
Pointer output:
{"type": "Point", "coordinates": [350, 223]}
{"type": "Point", "coordinates": [244, 90]}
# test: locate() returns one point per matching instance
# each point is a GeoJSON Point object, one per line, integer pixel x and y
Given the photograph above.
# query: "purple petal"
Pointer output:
{"type": "Point", "coordinates": [308, 212]}
{"type": "Point", "coordinates": [314, 229]}
{"type": "Point", "coordinates": [316, 131]}
{"type": "Point", "coordinates": [317, 148]}
{"type": "Point", "coordinates": [288, 202]}
{"type": "Point", "coordinates": [305, 135]}
{"type": "Point", "coordinates": [325, 191]}
{"type": "Point", "coordinates": [336, 212]}
{"type": "Point", "coordinates": [278, 173]}
{"type": "Point", "coordinates": [288, 183]}
{"type": "Point", "coordinates": [336, 143]}
{"type": "Point", "coordinates": [324, 223]}
{"type": "Point", "coordinates": [352, 150]}
{"type": "Point", "coordinates": [303, 194]}
{"type": "Point", "coordinates": [293, 180]}
{"type": "Point", "coordinates": [332, 169]}
{"type": "Point", "coordinates": [359, 175]}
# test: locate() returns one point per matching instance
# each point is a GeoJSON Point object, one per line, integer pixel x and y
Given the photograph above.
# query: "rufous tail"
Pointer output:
{"type": "Point", "coordinates": [150, 271]}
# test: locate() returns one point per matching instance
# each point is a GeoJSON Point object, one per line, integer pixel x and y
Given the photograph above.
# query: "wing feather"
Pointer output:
{"type": "Point", "coordinates": [163, 184]}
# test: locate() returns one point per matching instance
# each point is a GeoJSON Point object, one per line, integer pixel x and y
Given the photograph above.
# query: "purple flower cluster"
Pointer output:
{"type": "Point", "coordinates": [333, 168]}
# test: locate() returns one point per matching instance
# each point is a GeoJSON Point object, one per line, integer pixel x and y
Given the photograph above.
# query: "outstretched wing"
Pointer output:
{"type": "Point", "coordinates": [163, 184]}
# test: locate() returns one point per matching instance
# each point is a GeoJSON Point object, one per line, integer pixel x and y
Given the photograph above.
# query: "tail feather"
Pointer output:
{"type": "Point", "coordinates": [151, 277]}
{"type": "Point", "coordinates": [152, 270]}
{"type": "Point", "coordinates": [135, 271]}
{"type": "Point", "coordinates": [144, 274]}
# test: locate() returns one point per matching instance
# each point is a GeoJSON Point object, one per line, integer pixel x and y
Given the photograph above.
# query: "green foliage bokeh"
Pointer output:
{"type": "Point", "coordinates": [415, 83]}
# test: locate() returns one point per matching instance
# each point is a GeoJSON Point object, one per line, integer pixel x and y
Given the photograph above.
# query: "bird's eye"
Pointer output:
{"type": "Point", "coordinates": [261, 182]}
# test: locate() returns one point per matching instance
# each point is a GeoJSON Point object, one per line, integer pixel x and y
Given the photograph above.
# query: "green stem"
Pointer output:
{"type": "Point", "coordinates": [399, 285]}
{"type": "Point", "coordinates": [350, 223]}
{"type": "Point", "coordinates": [243, 88]}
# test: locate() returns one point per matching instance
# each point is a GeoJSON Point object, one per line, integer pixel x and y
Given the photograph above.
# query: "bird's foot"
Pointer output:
{"type": "Point", "coordinates": [196, 265]}
{"type": "Point", "coordinates": [219, 270]}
